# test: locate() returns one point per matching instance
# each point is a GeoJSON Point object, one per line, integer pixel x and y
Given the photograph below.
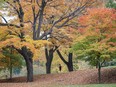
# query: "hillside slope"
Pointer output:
{"type": "Point", "coordinates": [88, 76]}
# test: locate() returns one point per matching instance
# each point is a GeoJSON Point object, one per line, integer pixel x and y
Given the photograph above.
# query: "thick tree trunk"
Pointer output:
{"type": "Point", "coordinates": [48, 67]}
{"type": "Point", "coordinates": [49, 58]}
{"type": "Point", "coordinates": [70, 63]}
{"type": "Point", "coordinates": [29, 63]}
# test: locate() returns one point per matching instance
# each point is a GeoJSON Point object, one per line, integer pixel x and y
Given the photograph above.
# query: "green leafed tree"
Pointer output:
{"type": "Point", "coordinates": [11, 59]}
{"type": "Point", "coordinates": [97, 39]}
{"type": "Point", "coordinates": [111, 4]}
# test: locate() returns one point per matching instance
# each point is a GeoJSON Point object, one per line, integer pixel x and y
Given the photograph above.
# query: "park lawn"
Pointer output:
{"type": "Point", "coordinates": [89, 85]}
{"type": "Point", "coordinates": [86, 76]}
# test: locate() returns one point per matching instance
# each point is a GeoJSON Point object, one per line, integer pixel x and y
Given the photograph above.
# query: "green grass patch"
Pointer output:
{"type": "Point", "coordinates": [110, 67]}
{"type": "Point", "coordinates": [89, 85]}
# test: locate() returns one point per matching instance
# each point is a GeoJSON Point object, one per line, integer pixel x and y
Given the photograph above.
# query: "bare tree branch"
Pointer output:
{"type": "Point", "coordinates": [8, 24]}
{"type": "Point", "coordinates": [61, 57]}
{"type": "Point", "coordinates": [4, 19]}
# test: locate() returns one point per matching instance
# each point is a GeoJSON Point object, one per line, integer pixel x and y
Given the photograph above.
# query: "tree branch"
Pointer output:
{"type": "Point", "coordinates": [103, 62]}
{"type": "Point", "coordinates": [46, 53]}
{"type": "Point", "coordinates": [61, 57]}
{"type": "Point", "coordinates": [69, 17]}
{"type": "Point", "coordinates": [40, 17]}
{"type": "Point", "coordinates": [56, 47]}
{"type": "Point", "coordinates": [4, 19]}
{"type": "Point", "coordinates": [8, 24]}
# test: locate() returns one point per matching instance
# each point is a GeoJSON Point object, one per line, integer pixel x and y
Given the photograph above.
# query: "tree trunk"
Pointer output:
{"type": "Point", "coordinates": [10, 68]}
{"type": "Point", "coordinates": [10, 72]}
{"type": "Point", "coordinates": [29, 63]}
{"type": "Point", "coordinates": [99, 72]}
{"type": "Point", "coordinates": [70, 63]}
{"type": "Point", "coordinates": [49, 58]}
{"type": "Point", "coordinates": [48, 67]}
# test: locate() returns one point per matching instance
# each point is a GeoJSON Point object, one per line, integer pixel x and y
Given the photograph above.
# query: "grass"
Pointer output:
{"type": "Point", "coordinates": [89, 85]}
{"type": "Point", "coordinates": [67, 79]}
{"type": "Point", "coordinates": [110, 67]}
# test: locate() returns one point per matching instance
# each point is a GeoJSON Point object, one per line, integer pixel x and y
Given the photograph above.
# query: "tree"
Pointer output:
{"type": "Point", "coordinates": [21, 40]}
{"type": "Point", "coordinates": [69, 63]}
{"type": "Point", "coordinates": [41, 16]}
{"type": "Point", "coordinates": [60, 40]}
{"type": "Point", "coordinates": [97, 39]}
{"type": "Point", "coordinates": [44, 20]}
{"type": "Point", "coordinates": [111, 4]}
{"type": "Point", "coordinates": [63, 24]}
{"type": "Point", "coordinates": [11, 59]}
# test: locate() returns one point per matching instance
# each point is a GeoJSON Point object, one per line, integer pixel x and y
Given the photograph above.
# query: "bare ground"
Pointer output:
{"type": "Point", "coordinates": [88, 76]}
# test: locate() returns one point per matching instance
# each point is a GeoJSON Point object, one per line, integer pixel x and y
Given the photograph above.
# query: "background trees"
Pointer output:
{"type": "Point", "coordinates": [10, 60]}
{"type": "Point", "coordinates": [40, 21]}
{"type": "Point", "coordinates": [111, 4]}
{"type": "Point", "coordinates": [96, 41]}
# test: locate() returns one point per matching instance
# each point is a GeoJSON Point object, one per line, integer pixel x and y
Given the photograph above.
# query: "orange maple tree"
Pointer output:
{"type": "Point", "coordinates": [96, 41]}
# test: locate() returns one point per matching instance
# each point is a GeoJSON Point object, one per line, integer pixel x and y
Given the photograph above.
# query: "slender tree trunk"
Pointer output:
{"type": "Point", "coordinates": [10, 69]}
{"type": "Point", "coordinates": [99, 72]}
{"type": "Point", "coordinates": [69, 63]}
{"type": "Point", "coordinates": [10, 72]}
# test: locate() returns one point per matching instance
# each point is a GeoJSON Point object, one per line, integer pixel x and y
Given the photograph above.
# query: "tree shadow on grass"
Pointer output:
{"type": "Point", "coordinates": [14, 80]}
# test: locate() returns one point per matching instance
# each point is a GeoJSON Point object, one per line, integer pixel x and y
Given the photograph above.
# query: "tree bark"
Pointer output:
{"type": "Point", "coordinates": [69, 63]}
{"type": "Point", "coordinates": [99, 71]}
{"type": "Point", "coordinates": [10, 68]}
{"type": "Point", "coordinates": [48, 67]}
{"type": "Point", "coordinates": [49, 58]}
{"type": "Point", "coordinates": [27, 55]}
{"type": "Point", "coordinates": [29, 63]}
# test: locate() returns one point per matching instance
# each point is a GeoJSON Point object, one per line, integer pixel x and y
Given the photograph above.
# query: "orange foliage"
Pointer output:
{"type": "Point", "coordinates": [99, 21]}
{"type": "Point", "coordinates": [98, 27]}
